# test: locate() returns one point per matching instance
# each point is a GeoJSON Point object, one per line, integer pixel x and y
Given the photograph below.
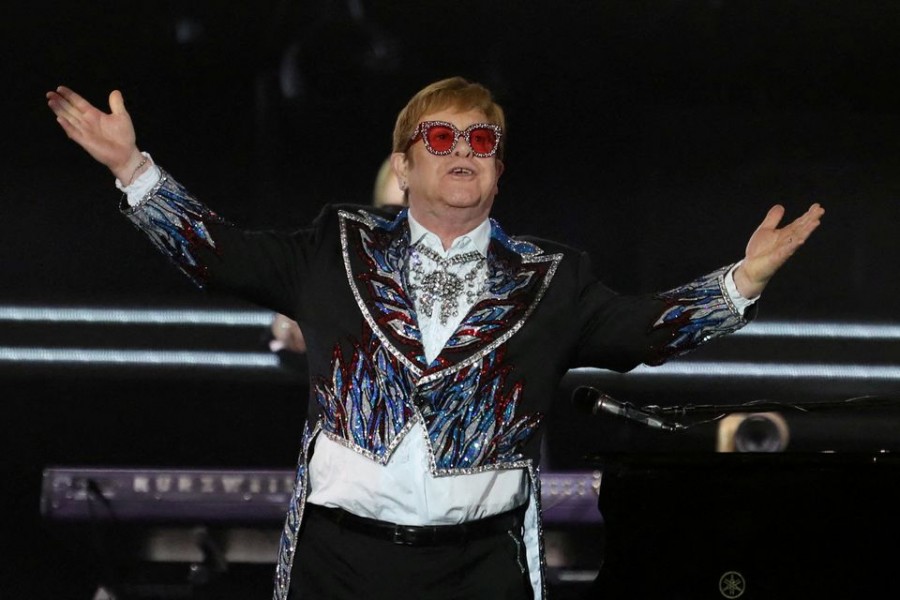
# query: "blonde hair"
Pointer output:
{"type": "Point", "coordinates": [456, 93]}
{"type": "Point", "coordinates": [387, 190]}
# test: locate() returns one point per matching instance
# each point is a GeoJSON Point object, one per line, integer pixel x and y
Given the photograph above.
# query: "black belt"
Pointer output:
{"type": "Point", "coordinates": [422, 535]}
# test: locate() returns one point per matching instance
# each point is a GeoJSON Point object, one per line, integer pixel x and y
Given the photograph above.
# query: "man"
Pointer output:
{"type": "Point", "coordinates": [435, 343]}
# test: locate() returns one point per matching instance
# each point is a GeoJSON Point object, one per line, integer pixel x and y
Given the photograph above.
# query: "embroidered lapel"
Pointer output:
{"type": "Point", "coordinates": [374, 252]}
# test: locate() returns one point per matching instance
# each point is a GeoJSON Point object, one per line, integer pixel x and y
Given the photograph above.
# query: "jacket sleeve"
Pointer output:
{"type": "Point", "coordinates": [264, 267]}
{"type": "Point", "coordinates": [619, 332]}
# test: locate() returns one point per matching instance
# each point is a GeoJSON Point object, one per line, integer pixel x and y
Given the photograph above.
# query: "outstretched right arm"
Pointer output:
{"type": "Point", "coordinates": [108, 137]}
{"type": "Point", "coordinates": [262, 267]}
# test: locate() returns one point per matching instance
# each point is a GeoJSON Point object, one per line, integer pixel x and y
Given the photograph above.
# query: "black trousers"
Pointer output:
{"type": "Point", "coordinates": [333, 562]}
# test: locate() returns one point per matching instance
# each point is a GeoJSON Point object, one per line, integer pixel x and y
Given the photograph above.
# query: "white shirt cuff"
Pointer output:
{"type": "Point", "coordinates": [141, 186]}
{"type": "Point", "coordinates": [740, 303]}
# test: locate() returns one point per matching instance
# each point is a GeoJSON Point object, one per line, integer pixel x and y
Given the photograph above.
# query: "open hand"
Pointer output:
{"type": "Point", "coordinates": [108, 137]}
{"type": "Point", "coordinates": [770, 247]}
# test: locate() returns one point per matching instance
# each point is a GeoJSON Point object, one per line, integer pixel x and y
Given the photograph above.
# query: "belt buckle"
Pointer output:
{"type": "Point", "coordinates": [398, 537]}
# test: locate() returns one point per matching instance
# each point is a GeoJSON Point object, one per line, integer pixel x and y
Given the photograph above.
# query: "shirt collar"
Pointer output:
{"type": "Point", "coordinates": [477, 239]}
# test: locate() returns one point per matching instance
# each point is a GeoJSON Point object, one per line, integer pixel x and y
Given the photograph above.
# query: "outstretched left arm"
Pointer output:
{"type": "Point", "coordinates": [770, 247]}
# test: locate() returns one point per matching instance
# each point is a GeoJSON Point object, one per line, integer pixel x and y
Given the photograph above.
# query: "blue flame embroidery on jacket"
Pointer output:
{"type": "Point", "coordinates": [175, 222]}
{"type": "Point", "coordinates": [291, 529]}
{"type": "Point", "coordinates": [389, 304]}
{"type": "Point", "coordinates": [365, 403]}
{"type": "Point", "coordinates": [697, 312]}
{"type": "Point", "coordinates": [502, 305]}
{"type": "Point", "coordinates": [377, 280]}
{"type": "Point", "coordinates": [471, 417]}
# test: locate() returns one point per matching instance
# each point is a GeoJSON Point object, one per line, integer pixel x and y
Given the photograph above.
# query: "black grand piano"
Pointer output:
{"type": "Point", "coordinates": [754, 526]}
{"type": "Point", "coordinates": [760, 488]}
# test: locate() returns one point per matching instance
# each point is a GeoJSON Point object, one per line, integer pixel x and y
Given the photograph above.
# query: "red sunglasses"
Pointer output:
{"type": "Point", "coordinates": [440, 137]}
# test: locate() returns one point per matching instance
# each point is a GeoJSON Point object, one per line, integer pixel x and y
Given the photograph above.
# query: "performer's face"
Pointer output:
{"type": "Point", "coordinates": [457, 183]}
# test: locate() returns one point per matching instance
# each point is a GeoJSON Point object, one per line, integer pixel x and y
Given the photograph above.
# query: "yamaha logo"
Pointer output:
{"type": "Point", "coordinates": [732, 584]}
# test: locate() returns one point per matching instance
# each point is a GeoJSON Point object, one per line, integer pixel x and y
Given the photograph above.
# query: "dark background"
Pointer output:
{"type": "Point", "coordinates": [654, 134]}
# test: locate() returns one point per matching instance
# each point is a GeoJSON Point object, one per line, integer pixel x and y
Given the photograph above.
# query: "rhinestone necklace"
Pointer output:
{"type": "Point", "coordinates": [441, 286]}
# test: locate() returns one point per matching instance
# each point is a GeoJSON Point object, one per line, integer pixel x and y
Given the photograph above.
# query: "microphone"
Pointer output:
{"type": "Point", "coordinates": [593, 401]}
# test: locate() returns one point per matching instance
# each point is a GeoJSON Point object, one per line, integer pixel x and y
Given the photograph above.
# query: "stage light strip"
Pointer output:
{"type": "Point", "coordinates": [261, 318]}
{"type": "Point", "coordinates": [132, 316]}
{"type": "Point", "coordinates": [698, 369]}
{"type": "Point", "coordinates": [142, 358]}
{"type": "Point", "coordinates": [824, 329]}
{"type": "Point", "coordinates": [259, 360]}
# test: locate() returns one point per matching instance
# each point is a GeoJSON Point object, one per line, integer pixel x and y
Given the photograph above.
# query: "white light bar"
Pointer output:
{"type": "Point", "coordinates": [258, 318]}
{"type": "Point", "coordinates": [144, 358]}
{"type": "Point", "coordinates": [757, 370]}
{"type": "Point", "coordinates": [132, 316]}
{"type": "Point", "coordinates": [824, 329]}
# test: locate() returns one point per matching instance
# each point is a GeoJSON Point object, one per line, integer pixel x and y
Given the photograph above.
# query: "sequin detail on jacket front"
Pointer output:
{"type": "Point", "coordinates": [365, 405]}
{"type": "Point", "coordinates": [471, 417]}
{"type": "Point", "coordinates": [291, 529]}
{"type": "Point", "coordinates": [381, 385]}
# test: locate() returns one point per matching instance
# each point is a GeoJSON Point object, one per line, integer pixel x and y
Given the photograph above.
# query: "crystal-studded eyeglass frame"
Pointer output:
{"type": "Point", "coordinates": [421, 131]}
